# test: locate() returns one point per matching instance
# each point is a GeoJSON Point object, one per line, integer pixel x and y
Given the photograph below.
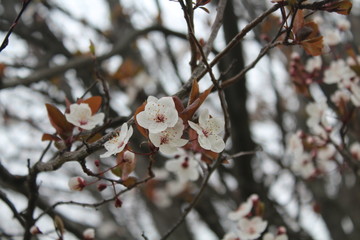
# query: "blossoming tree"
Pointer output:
{"type": "Point", "coordinates": [93, 147]}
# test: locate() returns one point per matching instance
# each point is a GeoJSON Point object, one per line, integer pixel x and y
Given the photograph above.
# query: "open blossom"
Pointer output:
{"type": "Point", "coordinates": [127, 164]}
{"type": "Point", "coordinates": [208, 130]}
{"type": "Point", "coordinates": [230, 236]}
{"type": "Point", "coordinates": [89, 234]}
{"type": "Point", "coordinates": [313, 64]}
{"type": "Point", "coordinates": [77, 183]}
{"type": "Point", "coordinates": [169, 140]}
{"type": "Point", "coordinates": [338, 72]}
{"type": "Point", "coordinates": [243, 210]}
{"type": "Point", "coordinates": [185, 167]}
{"type": "Point", "coordinates": [270, 236]}
{"type": "Point", "coordinates": [355, 150]}
{"type": "Point", "coordinates": [118, 143]}
{"type": "Point", "coordinates": [81, 116]}
{"type": "Point", "coordinates": [158, 115]}
{"type": "Point", "coordinates": [251, 228]}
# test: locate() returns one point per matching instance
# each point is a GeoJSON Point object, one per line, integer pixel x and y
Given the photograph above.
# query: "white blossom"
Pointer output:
{"type": "Point", "coordinates": [303, 166]}
{"type": "Point", "coordinates": [127, 164]}
{"type": "Point", "coordinates": [270, 236]}
{"type": "Point", "coordinates": [185, 167]}
{"type": "Point", "coordinates": [251, 228]}
{"type": "Point", "coordinates": [332, 37]}
{"type": "Point", "coordinates": [230, 236]}
{"type": "Point", "coordinates": [313, 64]}
{"type": "Point", "coordinates": [317, 117]}
{"type": "Point", "coordinates": [355, 96]}
{"type": "Point", "coordinates": [89, 234]}
{"type": "Point", "coordinates": [161, 198]}
{"type": "Point", "coordinates": [208, 130]}
{"type": "Point", "coordinates": [169, 140]}
{"type": "Point", "coordinates": [343, 24]}
{"type": "Point", "coordinates": [158, 115]}
{"type": "Point", "coordinates": [81, 116]}
{"type": "Point", "coordinates": [338, 72]}
{"type": "Point", "coordinates": [76, 183]}
{"type": "Point", "coordinates": [355, 150]}
{"type": "Point", "coordinates": [295, 146]}
{"type": "Point", "coordinates": [118, 143]}
{"type": "Point", "coordinates": [340, 97]}
{"type": "Point", "coordinates": [243, 210]}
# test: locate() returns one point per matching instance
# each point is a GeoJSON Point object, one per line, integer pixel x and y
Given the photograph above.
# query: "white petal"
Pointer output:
{"type": "Point", "coordinates": [217, 143]}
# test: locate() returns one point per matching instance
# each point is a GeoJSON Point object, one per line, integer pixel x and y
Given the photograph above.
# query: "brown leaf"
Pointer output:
{"type": "Point", "coordinates": [58, 120]}
{"type": "Point", "coordinates": [142, 130]}
{"type": "Point", "coordinates": [49, 137]}
{"type": "Point", "coordinates": [94, 103]}
{"type": "Point", "coordinates": [313, 46]}
{"type": "Point", "coordinates": [340, 7]}
{"type": "Point", "coordinates": [194, 93]}
{"type": "Point", "coordinates": [129, 182]}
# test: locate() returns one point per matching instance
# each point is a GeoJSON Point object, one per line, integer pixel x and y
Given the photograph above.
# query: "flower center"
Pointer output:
{"type": "Point", "coordinates": [185, 164]}
{"type": "Point", "coordinates": [205, 132]}
{"type": "Point", "coordinates": [83, 122]}
{"type": "Point", "coordinates": [160, 118]}
{"type": "Point", "coordinates": [164, 140]}
{"type": "Point", "coordinates": [252, 230]}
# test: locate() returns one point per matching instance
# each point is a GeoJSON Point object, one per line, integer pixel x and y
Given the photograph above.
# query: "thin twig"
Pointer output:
{"type": "Point", "coordinates": [5, 42]}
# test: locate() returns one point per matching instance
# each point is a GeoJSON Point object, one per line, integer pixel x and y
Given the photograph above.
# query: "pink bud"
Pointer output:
{"type": "Point", "coordinates": [77, 183]}
{"type": "Point", "coordinates": [89, 234]}
{"type": "Point", "coordinates": [118, 203]}
{"type": "Point", "coordinates": [35, 230]}
{"type": "Point", "coordinates": [101, 187]}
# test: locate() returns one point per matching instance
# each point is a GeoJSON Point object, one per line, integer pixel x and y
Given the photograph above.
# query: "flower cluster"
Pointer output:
{"type": "Point", "coordinates": [248, 226]}
{"type": "Point", "coordinates": [166, 129]}
{"type": "Point", "coordinates": [118, 143]}
{"type": "Point", "coordinates": [311, 156]}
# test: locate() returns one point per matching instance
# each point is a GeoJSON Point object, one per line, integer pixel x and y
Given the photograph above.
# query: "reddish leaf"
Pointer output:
{"type": "Point", "coordinates": [340, 7]}
{"type": "Point", "coordinates": [205, 9]}
{"type": "Point", "coordinates": [298, 21]}
{"type": "Point", "coordinates": [129, 182]}
{"type": "Point", "coordinates": [194, 93]}
{"type": "Point", "coordinates": [49, 137]}
{"type": "Point", "coordinates": [94, 103]}
{"type": "Point", "coordinates": [313, 46]}
{"type": "Point", "coordinates": [58, 120]}
{"type": "Point", "coordinates": [201, 3]}
{"type": "Point", "coordinates": [178, 104]}
{"type": "Point", "coordinates": [142, 130]}
{"type": "Point", "coordinates": [194, 106]}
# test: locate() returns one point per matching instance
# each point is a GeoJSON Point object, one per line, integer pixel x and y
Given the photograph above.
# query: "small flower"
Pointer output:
{"type": "Point", "coordinates": [127, 164]}
{"type": "Point", "coordinates": [35, 230]}
{"type": "Point", "coordinates": [355, 150]}
{"type": "Point", "coordinates": [81, 116]}
{"type": "Point", "coordinates": [230, 236]}
{"type": "Point", "coordinates": [158, 115]}
{"type": "Point", "coordinates": [118, 143]}
{"type": "Point", "coordinates": [338, 72]}
{"type": "Point", "coordinates": [208, 130]}
{"type": "Point", "coordinates": [332, 37]}
{"type": "Point", "coordinates": [340, 98]}
{"type": "Point", "coordinates": [270, 236]}
{"type": "Point", "coordinates": [343, 24]}
{"type": "Point", "coordinates": [313, 64]}
{"type": "Point", "coordinates": [304, 166]}
{"type": "Point", "coordinates": [169, 140]}
{"type": "Point", "coordinates": [243, 210]}
{"type": "Point", "coordinates": [251, 228]}
{"type": "Point", "coordinates": [185, 167]}
{"type": "Point", "coordinates": [77, 183]}
{"type": "Point", "coordinates": [89, 234]}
